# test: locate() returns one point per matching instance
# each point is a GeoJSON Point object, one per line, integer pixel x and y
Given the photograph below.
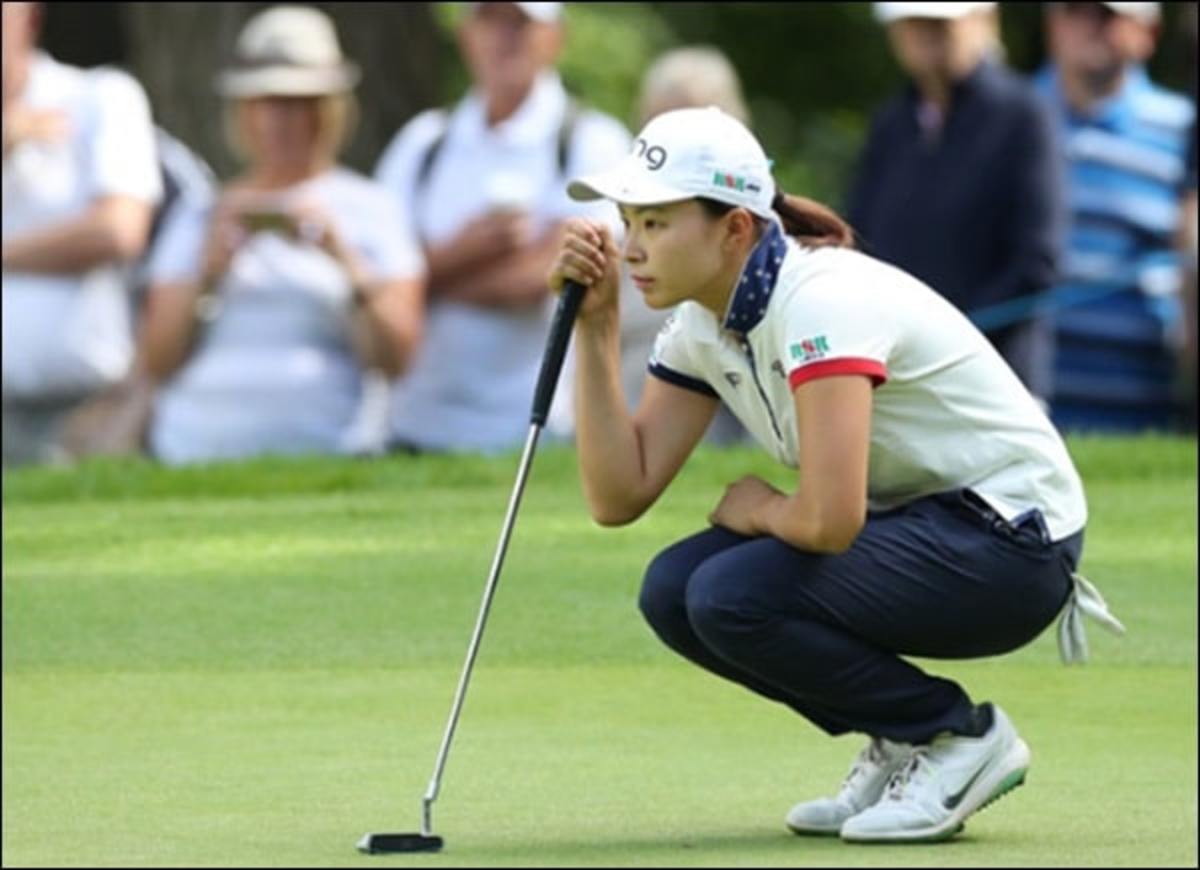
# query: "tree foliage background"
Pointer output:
{"type": "Point", "coordinates": [812, 72]}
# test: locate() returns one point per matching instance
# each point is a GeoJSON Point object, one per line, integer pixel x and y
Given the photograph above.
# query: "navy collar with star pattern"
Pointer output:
{"type": "Point", "coordinates": [753, 290]}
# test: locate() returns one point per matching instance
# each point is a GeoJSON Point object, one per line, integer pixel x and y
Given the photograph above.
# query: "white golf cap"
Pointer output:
{"type": "Point", "coordinates": [546, 12]}
{"type": "Point", "coordinates": [683, 154]}
{"type": "Point", "coordinates": [287, 51]}
{"type": "Point", "coordinates": [1147, 13]}
{"type": "Point", "coordinates": [889, 12]}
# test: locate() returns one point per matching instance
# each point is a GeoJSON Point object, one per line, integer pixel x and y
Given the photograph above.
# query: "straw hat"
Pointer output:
{"type": "Point", "coordinates": [287, 51]}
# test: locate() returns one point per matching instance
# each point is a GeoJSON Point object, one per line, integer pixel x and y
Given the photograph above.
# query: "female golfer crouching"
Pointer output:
{"type": "Point", "coordinates": [937, 512]}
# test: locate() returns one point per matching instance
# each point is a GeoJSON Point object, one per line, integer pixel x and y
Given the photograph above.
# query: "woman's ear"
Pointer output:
{"type": "Point", "coordinates": [740, 230]}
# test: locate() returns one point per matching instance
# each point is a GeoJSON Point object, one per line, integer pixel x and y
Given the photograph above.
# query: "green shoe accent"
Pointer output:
{"type": "Point", "coordinates": [1014, 779]}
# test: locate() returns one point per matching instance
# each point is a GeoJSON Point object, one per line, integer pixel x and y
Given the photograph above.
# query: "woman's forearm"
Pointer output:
{"type": "Point", "coordinates": [112, 230]}
{"type": "Point", "coordinates": [610, 455]}
{"type": "Point", "coordinates": [386, 326]}
{"type": "Point", "coordinates": [174, 317]}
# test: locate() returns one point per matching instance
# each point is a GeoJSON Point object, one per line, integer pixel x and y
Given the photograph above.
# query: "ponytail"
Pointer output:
{"type": "Point", "coordinates": [812, 224]}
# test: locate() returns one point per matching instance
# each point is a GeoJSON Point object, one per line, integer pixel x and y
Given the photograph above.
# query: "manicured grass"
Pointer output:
{"type": "Point", "coordinates": [251, 665]}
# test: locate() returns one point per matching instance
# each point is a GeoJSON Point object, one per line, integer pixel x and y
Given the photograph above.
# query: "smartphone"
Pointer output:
{"type": "Point", "coordinates": [268, 221]}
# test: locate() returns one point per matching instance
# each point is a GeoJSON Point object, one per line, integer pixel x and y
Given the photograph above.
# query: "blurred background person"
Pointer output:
{"type": "Point", "coordinates": [80, 182]}
{"type": "Point", "coordinates": [693, 76]}
{"type": "Point", "coordinates": [188, 183]}
{"type": "Point", "coordinates": [1188, 239]}
{"type": "Point", "coordinates": [960, 180]}
{"type": "Point", "coordinates": [267, 311]}
{"type": "Point", "coordinates": [484, 185]}
{"type": "Point", "coordinates": [1125, 141]}
{"type": "Point", "coordinates": [113, 421]}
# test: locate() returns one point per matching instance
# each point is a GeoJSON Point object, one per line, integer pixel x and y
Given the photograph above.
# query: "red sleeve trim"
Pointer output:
{"type": "Point", "coordinates": [873, 369]}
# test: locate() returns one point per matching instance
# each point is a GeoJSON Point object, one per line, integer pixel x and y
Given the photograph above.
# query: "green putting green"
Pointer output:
{"type": "Point", "coordinates": [252, 664]}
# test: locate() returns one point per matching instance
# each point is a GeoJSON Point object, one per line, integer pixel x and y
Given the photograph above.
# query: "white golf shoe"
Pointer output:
{"type": "Point", "coordinates": [943, 783]}
{"type": "Point", "coordinates": [862, 787]}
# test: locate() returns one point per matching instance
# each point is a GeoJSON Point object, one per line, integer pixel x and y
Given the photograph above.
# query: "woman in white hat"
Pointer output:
{"type": "Point", "coordinates": [268, 310]}
{"type": "Point", "coordinates": [685, 77]}
{"type": "Point", "coordinates": [937, 512]}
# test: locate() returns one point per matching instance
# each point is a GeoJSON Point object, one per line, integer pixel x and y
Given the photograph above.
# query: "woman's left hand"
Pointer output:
{"type": "Point", "coordinates": [314, 226]}
{"type": "Point", "coordinates": [741, 503]}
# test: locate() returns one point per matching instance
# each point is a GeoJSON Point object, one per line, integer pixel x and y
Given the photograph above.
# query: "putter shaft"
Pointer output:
{"type": "Point", "coordinates": [489, 592]}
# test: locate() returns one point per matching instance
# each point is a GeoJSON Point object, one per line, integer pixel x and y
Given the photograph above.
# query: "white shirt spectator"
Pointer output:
{"type": "Point", "coordinates": [948, 412]}
{"type": "Point", "coordinates": [275, 372]}
{"type": "Point", "coordinates": [472, 383]}
{"type": "Point", "coordinates": [66, 335]}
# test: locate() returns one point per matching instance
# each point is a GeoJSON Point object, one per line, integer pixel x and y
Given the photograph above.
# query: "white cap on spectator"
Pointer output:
{"type": "Point", "coordinates": [546, 12]}
{"type": "Point", "coordinates": [288, 51]}
{"type": "Point", "coordinates": [1147, 13]}
{"type": "Point", "coordinates": [683, 154]}
{"type": "Point", "coordinates": [889, 12]}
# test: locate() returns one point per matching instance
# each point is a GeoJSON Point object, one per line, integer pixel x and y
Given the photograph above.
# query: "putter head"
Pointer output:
{"type": "Point", "coordinates": [383, 844]}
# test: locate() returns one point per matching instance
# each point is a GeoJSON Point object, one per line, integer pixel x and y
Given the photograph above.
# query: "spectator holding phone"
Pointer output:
{"type": "Point", "coordinates": [267, 310]}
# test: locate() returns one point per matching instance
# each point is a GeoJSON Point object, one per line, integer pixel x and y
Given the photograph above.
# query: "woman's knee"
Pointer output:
{"type": "Point", "coordinates": [717, 603]}
{"type": "Point", "coordinates": [664, 588]}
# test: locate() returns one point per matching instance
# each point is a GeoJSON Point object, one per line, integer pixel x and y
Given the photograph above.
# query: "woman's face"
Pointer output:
{"type": "Point", "coordinates": [674, 252]}
{"type": "Point", "coordinates": [282, 131]}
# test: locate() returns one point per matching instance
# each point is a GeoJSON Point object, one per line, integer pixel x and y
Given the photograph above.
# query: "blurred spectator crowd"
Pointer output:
{"type": "Point", "coordinates": [302, 307]}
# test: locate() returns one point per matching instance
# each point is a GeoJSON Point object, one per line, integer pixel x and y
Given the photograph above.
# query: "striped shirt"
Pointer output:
{"type": "Point", "coordinates": [1126, 164]}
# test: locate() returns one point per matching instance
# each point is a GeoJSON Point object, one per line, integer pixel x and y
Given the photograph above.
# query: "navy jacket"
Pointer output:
{"type": "Point", "coordinates": [977, 212]}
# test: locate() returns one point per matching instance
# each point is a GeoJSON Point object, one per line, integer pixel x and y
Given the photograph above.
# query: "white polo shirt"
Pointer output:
{"type": "Point", "coordinates": [947, 413]}
{"type": "Point", "coordinates": [68, 334]}
{"type": "Point", "coordinates": [471, 384]}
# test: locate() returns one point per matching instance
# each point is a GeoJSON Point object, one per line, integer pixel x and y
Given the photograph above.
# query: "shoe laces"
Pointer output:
{"type": "Point", "coordinates": [898, 785]}
{"type": "Point", "coordinates": [873, 754]}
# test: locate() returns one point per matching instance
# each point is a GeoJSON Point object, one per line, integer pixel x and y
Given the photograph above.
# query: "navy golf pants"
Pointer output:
{"type": "Point", "coordinates": [942, 577]}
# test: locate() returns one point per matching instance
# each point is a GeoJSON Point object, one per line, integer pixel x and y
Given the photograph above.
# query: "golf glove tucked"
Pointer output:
{"type": "Point", "coordinates": [1085, 600]}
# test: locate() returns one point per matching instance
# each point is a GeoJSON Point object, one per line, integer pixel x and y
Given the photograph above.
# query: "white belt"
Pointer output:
{"type": "Point", "coordinates": [1085, 600]}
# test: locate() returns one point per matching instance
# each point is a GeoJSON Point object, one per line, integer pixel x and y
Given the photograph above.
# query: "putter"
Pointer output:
{"type": "Point", "coordinates": [552, 360]}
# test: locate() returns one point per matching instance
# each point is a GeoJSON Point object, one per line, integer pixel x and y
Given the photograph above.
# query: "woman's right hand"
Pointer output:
{"type": "Point", "coordinates": [226, 235]}
{"type": "Point", "coordinates": [589, 256]}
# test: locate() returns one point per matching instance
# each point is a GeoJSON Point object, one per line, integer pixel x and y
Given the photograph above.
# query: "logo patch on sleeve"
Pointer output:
{"type": "Point", "coordinates": [809, 349]}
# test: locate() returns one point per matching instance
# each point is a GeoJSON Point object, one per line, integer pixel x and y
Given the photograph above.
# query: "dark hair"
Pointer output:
{"type": "Point", "coordinates": [809, 222]}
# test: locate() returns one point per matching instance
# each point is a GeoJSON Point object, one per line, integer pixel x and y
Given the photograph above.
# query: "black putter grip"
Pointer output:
{"type": "Point", "coordinates": [556, 349]}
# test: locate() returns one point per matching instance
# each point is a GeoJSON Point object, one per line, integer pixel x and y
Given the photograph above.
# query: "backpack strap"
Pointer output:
{"type": "Point", "coordinates": [425, 170]}
{"type": "Point", "coordinates": [566, 133]}
{"type": "Point", "coordinates": [425, 167]}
